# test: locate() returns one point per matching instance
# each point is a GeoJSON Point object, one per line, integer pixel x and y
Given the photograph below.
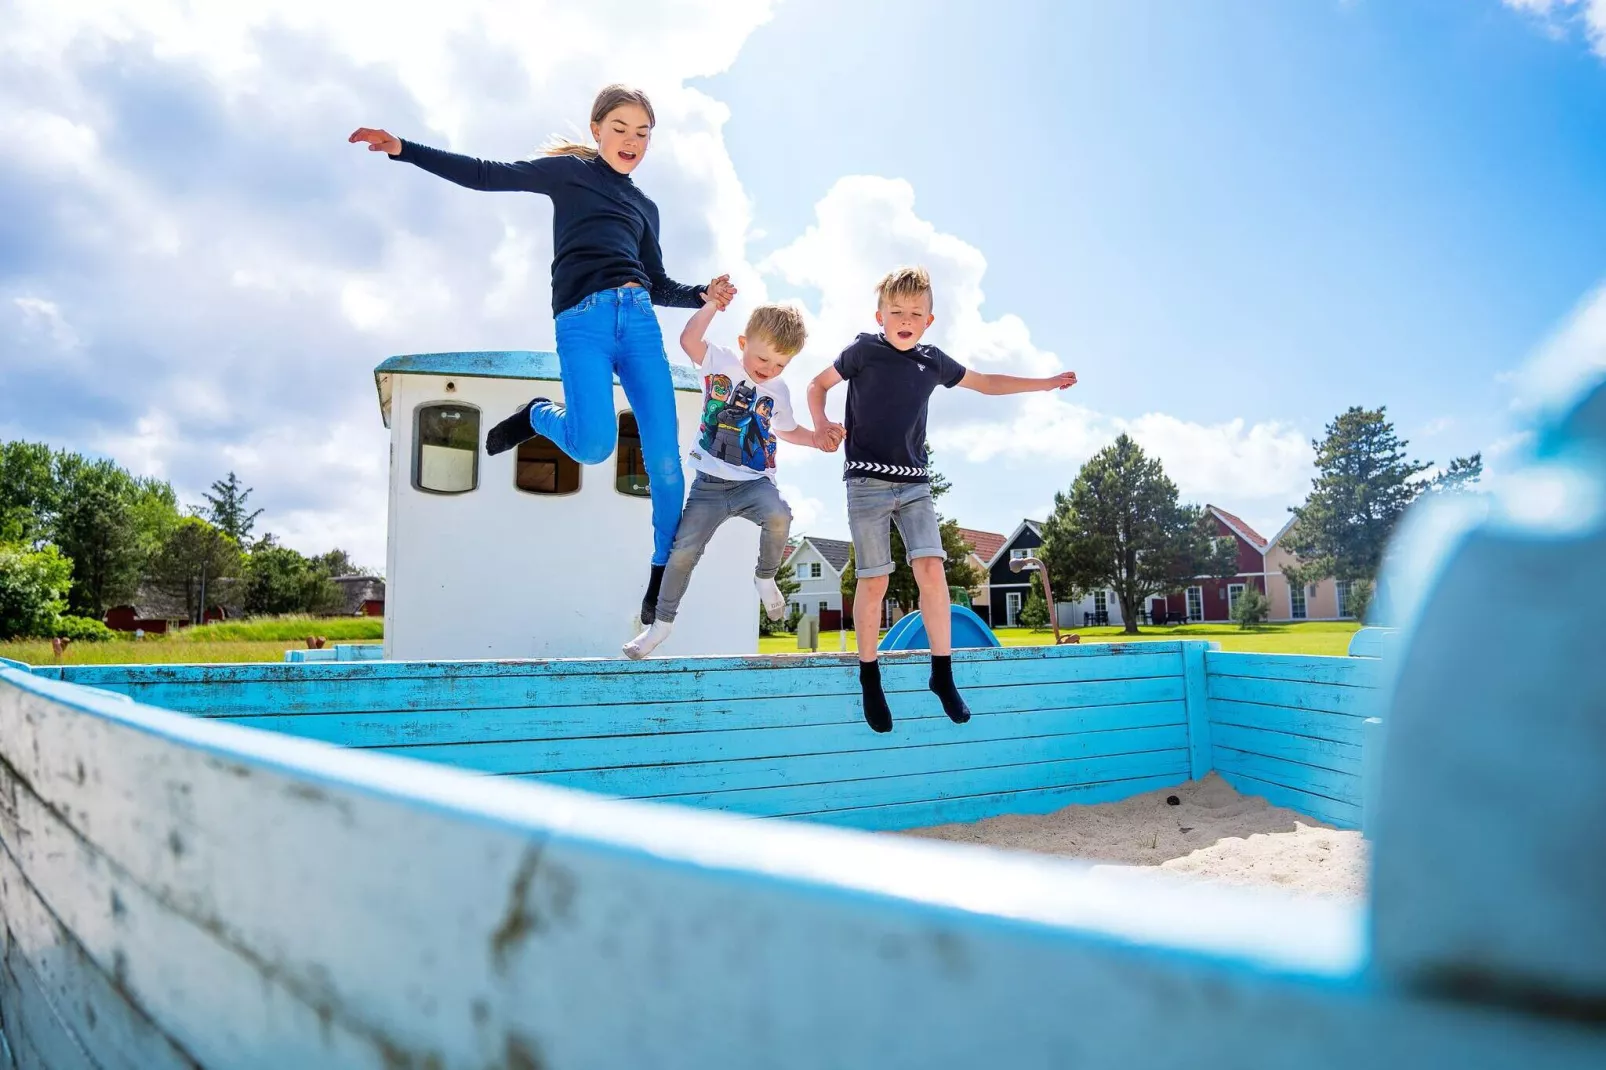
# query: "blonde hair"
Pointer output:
{"type": "Point", "coordinates": [903, 282]}
{"type": "Point", "coordinates": [779, 325]}
{"type": "Point", "coordinates": [611, 97]}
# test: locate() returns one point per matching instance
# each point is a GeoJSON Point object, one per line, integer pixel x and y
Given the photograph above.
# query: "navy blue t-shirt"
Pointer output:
{"type": "Point", "coordinates": [604, 229]}
{"type": "Point", "coordinates": [888, 391]}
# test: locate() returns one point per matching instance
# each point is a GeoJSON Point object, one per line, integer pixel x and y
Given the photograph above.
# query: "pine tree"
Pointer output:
{"type": "Point", "coordinates": [1034, 614]}
{"type": "Point", "coordinates": [1121, 527]}
{"type": "Point", "coordinates": [226, 508]}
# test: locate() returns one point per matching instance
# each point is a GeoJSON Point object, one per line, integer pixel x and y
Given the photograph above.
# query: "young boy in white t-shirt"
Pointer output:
{"type": "Point", "coordinates": [746, 408]}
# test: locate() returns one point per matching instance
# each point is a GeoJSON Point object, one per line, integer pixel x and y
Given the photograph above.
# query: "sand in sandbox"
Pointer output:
{"type": "Point", "coordinates": [1215, 834]}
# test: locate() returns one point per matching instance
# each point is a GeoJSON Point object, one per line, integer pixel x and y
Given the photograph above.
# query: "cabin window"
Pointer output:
{"type": "Point", "coordinates": [1296, 601]}
{"type": "Point", "coordinates": [446, 448]}
{"type": "Point", "coordinates": [630, 466]}
{"type": "Point", "coordinates": [541, 468]}
{"type": "Point", "coordinates": [1196, 603]}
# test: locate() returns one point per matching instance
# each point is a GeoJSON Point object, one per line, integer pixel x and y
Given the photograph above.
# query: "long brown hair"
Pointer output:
{"type": "Point", "coordinates": [610, 98]}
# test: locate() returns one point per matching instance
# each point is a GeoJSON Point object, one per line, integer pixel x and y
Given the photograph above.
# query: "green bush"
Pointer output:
{"type": "Point", "coordinates": [1034, 614]}
{"type": "Point", "coordinates": [1253, 608]}
{"type": "Point", "coordinates": [83, 630]}
{"type": "Point", "coordinates": [33, 590]}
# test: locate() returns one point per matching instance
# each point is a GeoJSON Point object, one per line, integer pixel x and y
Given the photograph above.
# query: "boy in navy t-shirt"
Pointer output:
{"type": "Point", "coordinates": [890, 378]}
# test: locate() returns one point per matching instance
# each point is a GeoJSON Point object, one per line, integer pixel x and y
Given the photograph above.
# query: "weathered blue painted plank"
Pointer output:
{"type": "Point", "coordinates": [881, 791]}
{"type": "Point", "coordinates": [1332, 811]}
{"type": "Point", "coordinates": [969, 808]}
{"type": "Point", "coordinates": [845, 738]}
{"type": "Point", "coordinates": [1339, 727]}
{"type": "Point", "coordinates": [1341, 757]}
{"type": "Point", "coordinates": [1317, 697]}
{"type": "Point", "coordinates": [393, 728]}
{"type": "Point", "coordinates": [1343, 787]}
{"type": "Point", "coordinates": [466, 921]}
{"type": "Point", "coordinates": [1296, 668]}
{"type": "Point", "coordinates": [7, 663]}
{"type": "Point", "coordinates": [829, 777]}
{"type": "Point", "coordinates": [1197, 696]}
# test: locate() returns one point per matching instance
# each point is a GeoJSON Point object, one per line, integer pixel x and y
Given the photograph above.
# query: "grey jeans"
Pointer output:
{"type": "Point", "coordinates": [710, 502]}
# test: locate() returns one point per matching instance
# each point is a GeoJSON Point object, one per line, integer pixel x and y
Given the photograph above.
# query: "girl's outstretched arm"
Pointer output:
{"type": "Point", "coordinates": [528, 176]}
{"type": "Point", "coordinates": [665, 290]}
{"type": "Point", "coordinates": [691, 336]}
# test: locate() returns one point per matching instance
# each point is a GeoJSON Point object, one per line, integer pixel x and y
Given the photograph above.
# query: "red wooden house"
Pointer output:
{"type": "Point", "coordinates": [1209, 598]}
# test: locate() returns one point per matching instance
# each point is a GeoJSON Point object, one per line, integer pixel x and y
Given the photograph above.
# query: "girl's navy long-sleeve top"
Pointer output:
{"type": "Point", "coordinates": [604, 229]}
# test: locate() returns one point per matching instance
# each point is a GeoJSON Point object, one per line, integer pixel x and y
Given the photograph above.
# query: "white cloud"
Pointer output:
{"type": "Point", "coordinates": [230, 270]}
{"type": "Point", "coordinates": [1005, 456]}
{"type": "Point", "coordinates": [1559, 16]}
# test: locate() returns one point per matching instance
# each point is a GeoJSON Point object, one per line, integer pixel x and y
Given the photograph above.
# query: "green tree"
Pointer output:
{"type": "Point", "coordinates": [33, 590]}
{"type": "Point", "coordinates": [1365, 481]}
{"type": "Point", "coordinates": [338, 563]}
{"type": "Point", "coordinates": [225, 507]}
{"type": "Point", "coordinates": [195, 555]}
{"type": "Point", "coordinates": [1121, 527]}
{"type": "Point", "coordinates": [28, 492]}
{"type": "Point", "coordinates": [95, 527]}
{"type": "Point", "coordinates": [1253, 607]}
{"type": "Point", "coordinates": [786, 580]}
{"type": "Point", "coordinates": [276, 579]}
{"type": "Point", "coordinates": [1034, 614]}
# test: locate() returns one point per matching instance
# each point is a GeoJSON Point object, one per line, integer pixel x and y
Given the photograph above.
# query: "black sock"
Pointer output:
{"type": "Point", "coordinates": [649, 601]}
{"type": "Point", "coordinates": [511, 431]}
{"type": "Point", "coordinates": [877, 714]}
{"type": "Point", "coordinates": [942, 685]}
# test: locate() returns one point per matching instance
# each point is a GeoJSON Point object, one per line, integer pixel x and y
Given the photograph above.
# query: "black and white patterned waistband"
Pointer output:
{"type": "Point", "coordinates": [890, 471]}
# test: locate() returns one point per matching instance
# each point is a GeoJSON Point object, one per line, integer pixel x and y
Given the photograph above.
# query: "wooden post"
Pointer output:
{"type": "Point", "coordinates": [1194, 690]}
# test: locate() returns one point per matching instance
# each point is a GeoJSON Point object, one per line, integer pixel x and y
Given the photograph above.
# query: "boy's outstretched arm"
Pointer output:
{"type": "Point", "coordinates": [819, 386]}
{"type": "Point", "coordinates": [691, 336]}
{"type": "Point", "coordinates": [992, 383]}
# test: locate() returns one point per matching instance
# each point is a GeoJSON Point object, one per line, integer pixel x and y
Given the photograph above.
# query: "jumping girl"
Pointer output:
{"type": "Point", "coordinates": [607, 273]}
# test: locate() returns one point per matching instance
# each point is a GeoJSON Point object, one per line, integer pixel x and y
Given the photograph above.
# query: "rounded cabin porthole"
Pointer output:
{"type": "Point", "coordinates": [446, 451]}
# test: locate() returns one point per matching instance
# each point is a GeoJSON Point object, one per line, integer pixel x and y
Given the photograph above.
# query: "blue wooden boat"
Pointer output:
{"type": "Point", "coordinates": [592, 863]}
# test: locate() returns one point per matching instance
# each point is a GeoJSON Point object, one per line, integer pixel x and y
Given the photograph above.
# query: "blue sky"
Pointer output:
{"type": "Point", "coordinates": [1233, 219]}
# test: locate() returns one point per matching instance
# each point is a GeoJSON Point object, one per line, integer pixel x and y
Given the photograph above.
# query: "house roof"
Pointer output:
{"type": "Point", "coordinates": [1243, 530]}
{"type": "Point", "coordinates": [835, 551]}
{"type": "Point", "coordinates": [154, 602]}
{"type": "Point", "coordinates": [985, 544]}
{"type": "Point", "coordinates": [360, 589]}
{"type": "Point", "coordinates": [1034, 526]}
{"type": "Point", "coordinates": [1277, 538]}
{"type": "Point", "coordinates": [493, 364]}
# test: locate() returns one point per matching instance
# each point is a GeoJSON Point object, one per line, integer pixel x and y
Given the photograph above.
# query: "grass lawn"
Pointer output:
{"type": "Point", "coordinates": [228, 641]}
{"type": "Point", "coordinates": [267, 640]}
{"type": "Point", "coordinates": [1319, 637]}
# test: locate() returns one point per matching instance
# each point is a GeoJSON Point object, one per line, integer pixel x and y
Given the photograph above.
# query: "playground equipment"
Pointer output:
{"type": "Point", "coordinates": [970, 632]}
{"type": "Point", "coordinates": [1033, 564]}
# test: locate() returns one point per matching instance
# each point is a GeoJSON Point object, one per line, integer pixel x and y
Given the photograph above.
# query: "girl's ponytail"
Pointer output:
{"type": "Point", "coordinates": [610, 98]}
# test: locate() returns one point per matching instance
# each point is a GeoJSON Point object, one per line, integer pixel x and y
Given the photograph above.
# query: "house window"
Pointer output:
{"type": "Point", "coordinates": [1011, 608]}
{"type": "Point", "coordinates": [1101, 602]}
{"type": "Point", "coordinates": [1343, 598]}
{"type": "Point", "coordinates": [446, 451]}
{"type": "Point", "coordinates": [1296, 601]}
{"type": "Point", "coordinates": [541, 468]}
{"type": "Point", "coordinates": [1019, 555]}
{"type": "Point", "coordinates": [1235, 591]}
{"type": "Point", "coordinates": [629, 467]}
{"type": "Point", "coordinates": [824, 606]}
{"type": "Point", "coordinates": [1195, 603]}
{"type": "Point", "coordinates": [814, 570]}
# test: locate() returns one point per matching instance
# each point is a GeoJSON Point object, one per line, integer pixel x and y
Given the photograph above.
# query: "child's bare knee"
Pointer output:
{"type": "Point", "coordinates": [929, 570]}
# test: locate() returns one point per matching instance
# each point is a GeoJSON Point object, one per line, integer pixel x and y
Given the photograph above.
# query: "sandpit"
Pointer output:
{"type": "Point", "coordinates": [1215, 833]}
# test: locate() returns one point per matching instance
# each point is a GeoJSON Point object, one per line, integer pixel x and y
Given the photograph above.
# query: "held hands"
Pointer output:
{"type": "Point", "coordinates": [1058, 382]}
{"type": "Point", "coordinates": [719, 292]}
{"type": "Point", "coordinates": [377, 140]}
{"type": "Point", "coordinates": [829, 437]}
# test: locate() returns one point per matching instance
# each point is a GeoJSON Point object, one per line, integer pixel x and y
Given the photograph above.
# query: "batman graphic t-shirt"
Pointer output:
{"type": "Point", "coordinates": [736, 436]}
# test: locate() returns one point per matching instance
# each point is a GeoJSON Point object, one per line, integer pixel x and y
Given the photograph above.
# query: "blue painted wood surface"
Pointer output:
{"type": "Point", "coordinates": [1289, 728]}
